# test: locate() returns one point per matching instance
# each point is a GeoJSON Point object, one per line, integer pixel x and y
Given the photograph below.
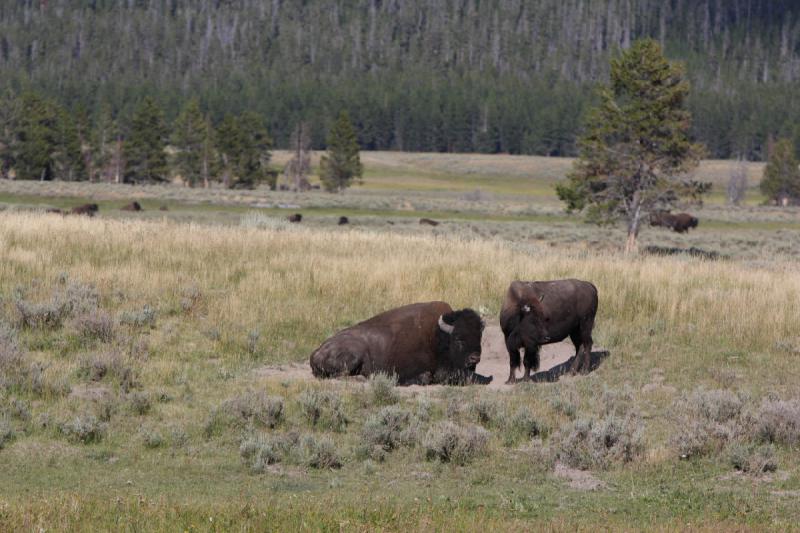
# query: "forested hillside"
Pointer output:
{"type": "Point", "coordinates": [448, 75]}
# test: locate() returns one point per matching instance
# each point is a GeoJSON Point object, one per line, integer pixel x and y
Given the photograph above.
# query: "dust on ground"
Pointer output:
{"type": "Point", "coordinates": [555, 360]}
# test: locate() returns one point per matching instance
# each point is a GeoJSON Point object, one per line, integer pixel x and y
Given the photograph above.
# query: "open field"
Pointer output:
{"type": "Point", "coordinates": [142, 386]}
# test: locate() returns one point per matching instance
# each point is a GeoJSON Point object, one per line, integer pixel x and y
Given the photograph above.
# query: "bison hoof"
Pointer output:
{"type": "Point", "coordinates": [511, 381]}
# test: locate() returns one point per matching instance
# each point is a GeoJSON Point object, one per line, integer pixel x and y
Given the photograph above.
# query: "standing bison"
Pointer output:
{"type": "Point", "coordinates": [421, 343]}
{"type": "Point", "coordinates": [680, 223]}
{"type": "Point", "coordinates": [542, 312]}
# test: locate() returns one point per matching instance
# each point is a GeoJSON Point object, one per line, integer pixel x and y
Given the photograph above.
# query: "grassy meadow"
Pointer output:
{"type": "Point", "coordinates": [152, 364]}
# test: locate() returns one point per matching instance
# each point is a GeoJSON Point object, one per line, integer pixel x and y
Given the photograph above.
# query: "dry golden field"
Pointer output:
{"type": "Point", "coordinates": [145, 385]}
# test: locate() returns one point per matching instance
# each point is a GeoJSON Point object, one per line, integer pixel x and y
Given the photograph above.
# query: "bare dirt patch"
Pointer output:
{"type": "Point", "coordinates": [578, 479]}
{"type": "Point", "coordinates": [555, 360]}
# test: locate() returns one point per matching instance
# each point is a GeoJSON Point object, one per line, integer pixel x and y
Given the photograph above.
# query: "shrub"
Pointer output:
{"type": "Point", "coordinates": [778, 421]}
{"type": "Point", "coordinates": [597, 443]}
{"type": "Point", "coordinates": [522, 425]}
{"type": "Point", "coordinates": [139, 403]}
{"type": "Point", "coordinates": [322, 409]}
{"type": "Point", "coordinates": [716, 405]}
{"type": "Point", "coordinates": [753, 459]}
{"type": "Point", "coordinates": [251, 408]}
{"type": "Point", "coordinates": [616, 402]}
{"type": "Point", "coordinates": [108, 364]}
{"type": "Point", "coordinates": [706, 421]}
{"type": "Point", "coordinates": [83, 428]}
{"type": "Point", "coordinates": [139, 319]}
{"type": "Point", "coordinates": [6, 433]}
{"type": "Point", "coordinates": [190, 298]}
{"type": "Point", "coordinates": [152, 438]}
{"type": "Point", "coordinates": [388, 428]}
{"type": "Point", "coordinates": [19, 409]}
{"type": "Point", "coordinates": [382, 388]}
{"type": "Point", "coordinates": [41, 315]}
{"type": "Point", "coordinates": [320, 452]}
{"type": "Point", "coordinates": [96, 324]}
{"type": "Point", "coordinates": [486, 411]}
{"type": "Point", "coordinates": [259, 453]}
{"type": "Point", "coordinates": [450, 443]}
{"type": "Point", "coordinates": [81, 298]}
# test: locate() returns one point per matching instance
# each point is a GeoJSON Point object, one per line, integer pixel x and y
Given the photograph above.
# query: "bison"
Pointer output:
{"type": "Point", "coordinates": [428, 221]}
{"type": "Point", "coordinates": [420, 343]}
{"type": "Point", "coordinates": [297, 217]}
{"type": "Point", "coordinates": [85, 209]}
{"type": "Point", "coordinates": [133, 206]}
{"type": "Point", "coordinates": [680, 223]}
{"type": "Point", "coordinates": [343, 221]}
{"type": "Point", "coordinates": [542, 312]}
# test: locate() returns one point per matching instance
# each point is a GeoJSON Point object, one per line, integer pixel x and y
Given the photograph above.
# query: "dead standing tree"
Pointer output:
{"type": "Point", "coordinates": [299, 166]}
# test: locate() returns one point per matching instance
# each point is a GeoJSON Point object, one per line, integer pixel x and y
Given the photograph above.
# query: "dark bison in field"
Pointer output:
{"type": "Point", "coordinates": [680, 223]}
{"type": "Point", "coordinates": [297, 217]}
{"type": "Point", "coordinates": [343, 221]}
{"type": "Point", "coordinates": [542, 312]}
{"type": "Point", "coordinates": [133, 206]}
{"type": "Point", "coordinates": [428, 221]}
{"type": "Point", "coordinates": [421, 343]}
{"type": "Point", "coordinates": [85, 209]}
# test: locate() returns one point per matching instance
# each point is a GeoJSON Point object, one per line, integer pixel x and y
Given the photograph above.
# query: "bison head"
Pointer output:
{"type": "Point", "coordinates": [459, 339]}
{"type": "Point", "coordinates": [533, 326]}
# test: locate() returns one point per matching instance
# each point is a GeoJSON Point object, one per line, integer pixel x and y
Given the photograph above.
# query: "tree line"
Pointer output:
{"type": "Point", "coordinates": [42, 140]}
{"type": "Point", "coordinates": [456, 75]}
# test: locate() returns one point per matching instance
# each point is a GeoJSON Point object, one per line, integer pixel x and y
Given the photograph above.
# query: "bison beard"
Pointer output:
{"type": "Point", "coordinates": [420, 343]}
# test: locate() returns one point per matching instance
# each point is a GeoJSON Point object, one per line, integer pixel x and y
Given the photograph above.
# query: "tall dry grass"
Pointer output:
{"type": "Point", "coordinates": [300, 284]}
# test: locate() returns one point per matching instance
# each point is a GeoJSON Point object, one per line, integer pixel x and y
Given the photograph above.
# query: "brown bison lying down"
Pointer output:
{"type": "Point", "coordinates": [542, 312]}
{"type": "Point", "coordinates": [133, 206]}
{"type": "Point", "coordinates": [421, 343]}
{"type": "Point", "coordinates": [679, 223]}
{"type": "Point", "coordinates": [85, 209]}
{"type": "Point", "coordinates": [297, 217]}
{"type": "Point", "coordinates": [428, 221]}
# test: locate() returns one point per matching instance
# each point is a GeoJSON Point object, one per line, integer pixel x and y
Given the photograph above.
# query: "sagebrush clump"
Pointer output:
{"type": "Point", "coordinates": [450, 443]}
{"type": "Point", "coordinates": [382, 388]}
{"type": "Point", "coordinates": [323, 409]}
{"type": "Point", "coordinates": [589, 443]}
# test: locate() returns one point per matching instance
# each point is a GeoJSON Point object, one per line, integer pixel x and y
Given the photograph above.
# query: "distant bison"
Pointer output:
{"type": "Point", "coordinates": [85, 209]}
{"type": "Point", "coordinates": [680, 223]}
{"type": "Point", "coordinates": [428, 221]}
{"type": "Point", "coordinates": [133, 206]}
{"type": "Point", "coordinates": [542, 312]}
{"type": "Point", "coordinates": [297, 217]}
{"type": "Point", "coordinates": [421, 343]}
{"type": "Point", "coordinates": [343, 221]}
{"type": "Point", "coordinates": [163, 208]}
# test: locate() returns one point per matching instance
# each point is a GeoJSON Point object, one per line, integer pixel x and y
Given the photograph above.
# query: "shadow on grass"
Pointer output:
{"type": "Point", "coordinates": [553, 374]}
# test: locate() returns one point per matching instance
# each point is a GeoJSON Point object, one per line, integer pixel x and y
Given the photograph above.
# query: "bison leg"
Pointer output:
{"type": "Point", "coordinates": [575, 337]}
{"type": "Point", "coordinates": [513, 345]}
{"type": "Point", "coordinates": [333, 363]}
{"type": "Point", "coordinates": [531, 362]}
{"type": "Point", "coordinates": [583, 356]}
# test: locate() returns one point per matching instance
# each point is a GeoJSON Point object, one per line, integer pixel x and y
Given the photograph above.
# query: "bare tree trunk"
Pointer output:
{"type": "Point", "coordinates": [633, 224]}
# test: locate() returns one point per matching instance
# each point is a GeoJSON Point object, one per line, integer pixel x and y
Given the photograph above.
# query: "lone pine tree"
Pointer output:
{"type": "Point", "coordinates": [341, 164]}
{"type": "Point", "coordinates": [636, 153]}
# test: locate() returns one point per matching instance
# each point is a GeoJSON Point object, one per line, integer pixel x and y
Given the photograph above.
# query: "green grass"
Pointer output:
{"type": "Point", "coordinates": [235, 292]}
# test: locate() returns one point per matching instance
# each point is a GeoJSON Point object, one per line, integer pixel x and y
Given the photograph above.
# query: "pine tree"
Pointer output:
{"type": "Point", "coordinates": [67, 159]}
{"type": "Point", "coordinates": [244, 148]}
{"type": "Point", "coordinates": [341, 164]}
{"type": "Point", "coordinates": [636, 151]}
{"type": "Point", "coordinates": [36, 131]}
{"type": "Point", "coordinates": [781, 181]}
{"type": "Point", "coordinates": [188, 139]}
{"type": "Point", "coordinates": [146, 158]}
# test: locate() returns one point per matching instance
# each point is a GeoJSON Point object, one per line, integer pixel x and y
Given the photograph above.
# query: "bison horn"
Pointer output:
{"type": "Point", "coordinates": [444, 326]}
{"type": "Point", "coordinates": [541, 297]}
